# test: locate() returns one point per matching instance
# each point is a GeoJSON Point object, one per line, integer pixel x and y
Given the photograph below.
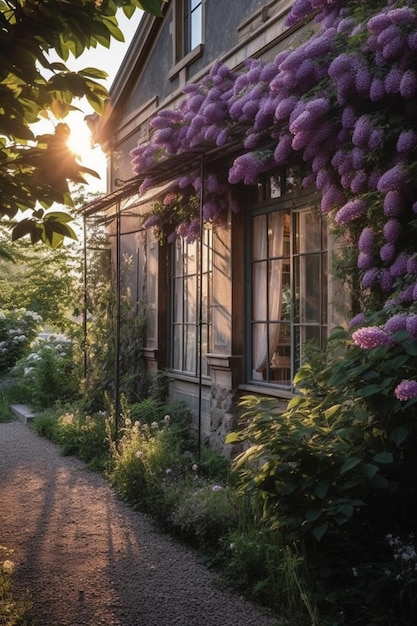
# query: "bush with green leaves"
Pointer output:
{"type": "Point", "coordinates": [84, 436]}
{"type": "Point", "coordinates": [336, 469]}
{"type": "Point", "coordinates": [18, 328]}
{"type": "Point", "coordinates": [48, 374]}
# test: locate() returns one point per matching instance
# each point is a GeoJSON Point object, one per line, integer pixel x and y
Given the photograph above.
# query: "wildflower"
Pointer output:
{"type": "Point", "coordinates": [194, 467]}
{"type": "Point", "coordinates": [168, 471]}
{"type": "Point", "coordinates": [406, 390]}
{"type": "Point", "coordinates": [139, 454]}
{"type": "Point", "coordinates": [167, 419]}
{"type": "Point", "coordinates": [128, 422]}
{"type": "Point", "coordinates": [217, 488]}
{"type": "Point", "coordinates": [370, 337]}
{"type": "Point", "coordinates": [8, 567]}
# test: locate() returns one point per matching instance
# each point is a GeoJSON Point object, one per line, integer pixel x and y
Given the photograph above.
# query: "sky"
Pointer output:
{"type": "Point", "coordinates": [109, 60]}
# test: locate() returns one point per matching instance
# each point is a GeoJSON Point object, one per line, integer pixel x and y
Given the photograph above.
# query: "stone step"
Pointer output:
{"type": "Point", "coordinates": [22, 412]}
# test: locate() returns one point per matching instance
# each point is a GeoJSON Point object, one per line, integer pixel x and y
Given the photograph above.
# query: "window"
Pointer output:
{"type": "Point", "coordinates": [190, 287]}
{"type": "Point", "coordinates": [193, 25]}
{"type": "Point", "coordinates": [287, 299]}
{"type": "Point", "coordinates": [188, 32]}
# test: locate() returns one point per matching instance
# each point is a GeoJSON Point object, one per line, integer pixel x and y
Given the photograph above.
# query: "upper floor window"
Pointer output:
{"type": "Point", "coordinates": [193, 24]}
{"type": "Point", "coordinates": [188, 22]}
{"type": "Point", "coordinates": [191, 272]}
{"type": "Point", "coordinates": [287, 299]}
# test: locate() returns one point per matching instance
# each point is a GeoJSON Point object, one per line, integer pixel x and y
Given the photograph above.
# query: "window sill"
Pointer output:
{"type": "Point", "coordinates": [268, 390]}
{"type": "Point", "coordinates": [187, 60]}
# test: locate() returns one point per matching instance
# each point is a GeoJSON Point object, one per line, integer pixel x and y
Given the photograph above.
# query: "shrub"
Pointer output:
{"type": "Point", "coordinates": [18, 328]}
{"type": "Point", "coordinates": [48, 373]}
{"type": "Point", "coordinates": [204, 514]}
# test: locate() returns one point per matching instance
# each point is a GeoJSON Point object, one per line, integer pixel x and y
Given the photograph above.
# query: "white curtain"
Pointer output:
{"type": "Point", "coordinates": [263, 276]}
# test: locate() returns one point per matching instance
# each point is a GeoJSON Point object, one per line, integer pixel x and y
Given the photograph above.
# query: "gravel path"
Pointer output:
{"type": "Point", "coordinates": [87, 559]}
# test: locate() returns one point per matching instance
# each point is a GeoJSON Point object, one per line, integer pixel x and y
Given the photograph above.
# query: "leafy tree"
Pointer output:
{"type": "Point", "coordinates": [35, 170]}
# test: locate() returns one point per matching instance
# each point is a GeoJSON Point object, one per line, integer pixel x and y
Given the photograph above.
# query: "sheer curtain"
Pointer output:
{"type": "Point", "coordinates": [267, 277]}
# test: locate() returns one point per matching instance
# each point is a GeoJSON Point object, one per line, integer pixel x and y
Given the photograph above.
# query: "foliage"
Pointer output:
{"type": "Point", "coordinates": [48, 373]}
{"type": "Point", "coordinates": [18, 328]}
{"type": "Point", "coordinates": [13, 610]}
{"type": "Point", "coordinates": [77, 434]}
{"type": "Point", "coordinates": [336, 469]}
{"type": "Point", "coordinates": [343, 101]}
{"type": "Point", "coordinates": [101, 328]}
{"type": "Point", "coordinates": [41, 280]}
{"type": "Point", "coordinates": [141, 459]}
{"type": "Point", "coordinates": [35, 170]}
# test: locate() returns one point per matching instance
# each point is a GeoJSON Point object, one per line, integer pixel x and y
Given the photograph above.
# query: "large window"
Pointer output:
{"type": "Point", "coordinates": [191, 270]}
{"type": "Point", "coordinates": [288, 279]}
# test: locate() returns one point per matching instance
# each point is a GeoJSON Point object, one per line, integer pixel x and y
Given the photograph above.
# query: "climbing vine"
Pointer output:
{"type": "Point", "coordinates": [344, 101]}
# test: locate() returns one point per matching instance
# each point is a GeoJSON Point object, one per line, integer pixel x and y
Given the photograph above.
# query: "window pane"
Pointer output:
{"type": "Point", "coordinates": [308, 284]}
{"type": "Point", "coordinates": [196, 28]}
{"type": "Point", "coordinates": [190, 299]}
{"type": "Point", "coordinates": [190, 348]}
{"type": "Point", "coordinates": [259, 241]}
{"type": "Point", "coordinates": [177, 351]}
{"type": "Point", "coordinates": [307, 232]}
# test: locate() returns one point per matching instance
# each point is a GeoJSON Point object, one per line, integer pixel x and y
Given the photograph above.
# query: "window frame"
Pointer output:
{"type": "Point", "coordinates": [294, 203]}
{"type": "Point", "coordinates": [182, 57]}
{"type": "Point", "coordinates": [180, 325]}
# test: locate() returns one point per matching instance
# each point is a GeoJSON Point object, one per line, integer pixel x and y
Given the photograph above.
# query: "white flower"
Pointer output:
{"type": "Point", "coordinates": [139, 454]}
{"type": "Point", "coordinates": [194, 467]}
{"type": "Point", "coordinates": [8, 567]}
{"type": "Point", "coordinates": [217, 488]}
{"type": "Point", "coordinates": [167, 419]}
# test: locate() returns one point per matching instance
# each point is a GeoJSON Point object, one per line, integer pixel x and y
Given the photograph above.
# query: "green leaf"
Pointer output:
{"type": "Point", "coordinates": [383, 457]}
{"type": "Point", "coordinates": [331, 411]}
{"type": "Point", "coordinates": [320, 531]}
{"type": "Point", "coordinates": [233, 438]}
{"type": "Point", "coordinates": [350, 464]}
{"type": "Point", "coordinates": [369, 470]}
{"type": "Point", "coordinates": [322, 489]}
{"type": "Point", "coordinates": [369, 390]}
{"type": "Point", "coordinates": [313, 514]}
{"type": "Point", "coordinates": [399, 434]}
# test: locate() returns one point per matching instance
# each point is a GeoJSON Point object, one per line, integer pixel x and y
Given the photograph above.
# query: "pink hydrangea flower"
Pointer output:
{"type": "Point", "coordinates": [370, 337]}
{"type": "Point", "coordinates": [406, 390]}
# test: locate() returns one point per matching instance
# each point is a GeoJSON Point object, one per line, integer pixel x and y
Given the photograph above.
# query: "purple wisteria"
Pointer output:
{"type": "Point", "coordinates": [344, 103]}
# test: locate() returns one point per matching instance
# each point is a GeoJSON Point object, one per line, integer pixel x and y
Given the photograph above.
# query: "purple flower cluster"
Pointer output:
{"type": "Point", "coordinates": [406, 390]}
{"type": "Point", "coordinates": [350, 115]}
{"type": "Point", "coordinates": [370, 337]}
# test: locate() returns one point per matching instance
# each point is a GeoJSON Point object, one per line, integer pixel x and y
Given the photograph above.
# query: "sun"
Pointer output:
{"type": "Point", "coordinates": [79, 140]}
{"type": "Point", "coordinates": [81, 145]}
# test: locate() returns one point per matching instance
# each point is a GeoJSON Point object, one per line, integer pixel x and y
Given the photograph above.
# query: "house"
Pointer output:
{"type": "Point", "coordinates": [232, 307]}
